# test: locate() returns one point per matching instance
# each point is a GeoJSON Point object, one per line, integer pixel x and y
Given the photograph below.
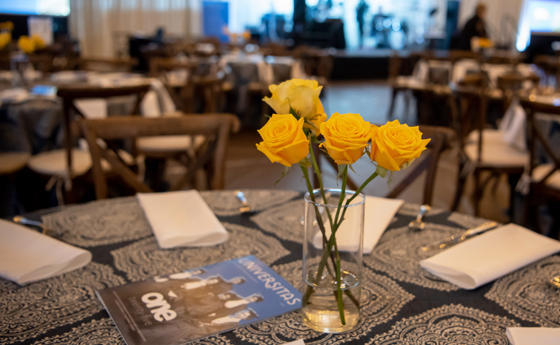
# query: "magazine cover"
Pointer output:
{"type": "Point", "coordinates": [188, 305]}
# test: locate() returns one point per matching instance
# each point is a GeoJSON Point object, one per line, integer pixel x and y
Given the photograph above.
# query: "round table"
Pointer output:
{"type": "Point", "coordinates": [402, 303]}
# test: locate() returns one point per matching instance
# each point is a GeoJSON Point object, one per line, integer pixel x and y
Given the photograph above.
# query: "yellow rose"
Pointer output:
{"type": "Point", "coordinates": [394, 146]}
{"type": "Point", "coordinates": [346, 137]}
{"type": "Point", "coordinates": [284, 141]}
{"type": "Point", "coordinates": [302, 96]}
{"type": "Point", "coordinates": [26, 44]}
{"type": "Point", "coordinates": [5, 39]}
{"type": "Point", "coordinates": [7, 26]}
{"type": "Point", "coordinates": [38, 42]}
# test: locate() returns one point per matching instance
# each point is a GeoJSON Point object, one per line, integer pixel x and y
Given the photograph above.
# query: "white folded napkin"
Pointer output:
{"type": "Point", "coordinates": [150, 106]}
{"type": "Point", "coordinates": [14, 95]}
{"type": "Point", "coordinates": [93, 108]}
{"type": "Point", "coordinates": [27, 255]}
{"type": "Point", "coordinates": [167, 105]}
{"type": "Point", "coordinates": [533, 335]}
{"type": "Point", "coordinates": [182, 219]}
{"type": "Point", "coordinates": [490, 256]}
{"type": "Point", "coordinates": [378, 213]}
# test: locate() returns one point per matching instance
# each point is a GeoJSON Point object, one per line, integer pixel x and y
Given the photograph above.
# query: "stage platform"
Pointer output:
{"type": "Point", "coordinates": [362, 64]}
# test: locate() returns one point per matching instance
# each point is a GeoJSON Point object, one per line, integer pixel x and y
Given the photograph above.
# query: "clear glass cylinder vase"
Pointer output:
{"type": "Point", "coordinates": [332, 265]}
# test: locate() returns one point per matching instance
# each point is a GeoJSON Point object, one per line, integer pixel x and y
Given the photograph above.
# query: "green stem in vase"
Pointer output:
{"type": "Point", "coordinates": [320, 178]}
{"type": "Point", "coordinates": [338, 269]}
{"type": "Point", "coordinates": [326, 251]}
{"type": "Point", "coordinates": [358, 191]}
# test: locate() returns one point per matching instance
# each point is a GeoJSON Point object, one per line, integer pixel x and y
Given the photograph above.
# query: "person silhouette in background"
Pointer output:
{"type": "Point", "coordinates": [361, 11]}
{"type": "Point", "coordinates": [475, 27]}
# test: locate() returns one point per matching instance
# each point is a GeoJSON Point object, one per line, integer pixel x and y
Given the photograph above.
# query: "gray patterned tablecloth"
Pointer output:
{"type": "Point", "coordinates": [402, 304]}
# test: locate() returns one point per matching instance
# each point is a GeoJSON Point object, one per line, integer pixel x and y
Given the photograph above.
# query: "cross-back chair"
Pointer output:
{"type": "Point", "coordinates": [544, 174]}
{"type": "Point", "coordinates": [185, 92]}
{"type": "Point", "coordinates": [514, 82]}
{"type": "Point", "coordinates": [481, 149]}
{"type": "Point", "coordinates": [181, 91]}
{"type": "Point", "coordinates": [70, 162]}
{"type": "Point", "coordinates": [214, 127]}
{"type": "Point", "coordinates": [441, 139]}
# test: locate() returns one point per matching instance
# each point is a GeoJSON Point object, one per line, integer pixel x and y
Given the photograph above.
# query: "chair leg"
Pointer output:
{"type": "Point", "coordinates": [461, 180]}
{"type": "Point", "coordinates": [478, 192]}
{"type": "Point", "coordinates": [407, 97]}
{"type": "Point", "coordinates": [392, 105]}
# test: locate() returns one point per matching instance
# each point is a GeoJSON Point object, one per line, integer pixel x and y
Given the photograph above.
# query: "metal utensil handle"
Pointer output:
{"type": "Point", "coordinates": [480, 228]}
{"type": "Point", "coordinates": [23, 220]}
{"type": "Point", "coordinates": [241, 197]}
{"type": "Point", "coordinates": [422, 212]}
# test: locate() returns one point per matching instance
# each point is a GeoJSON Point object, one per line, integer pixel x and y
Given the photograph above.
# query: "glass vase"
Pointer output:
{"type": "Point", "coordinates": [332, 267]}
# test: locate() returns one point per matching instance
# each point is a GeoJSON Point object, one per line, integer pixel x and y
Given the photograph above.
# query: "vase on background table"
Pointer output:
{"type": "Point", "coordinates": [321, 308]}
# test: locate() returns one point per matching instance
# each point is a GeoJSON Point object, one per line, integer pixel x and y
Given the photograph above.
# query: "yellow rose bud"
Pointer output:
{"type": "Point", "coordinates": [38, 42]}
{"type": "Point", "coordinates": [346, 137]}
{"type": "Point", "coordinates": [394, 146]}
{"type": "Point", "coordinates": [26, 44]}
{"type": "Point", "coordinates": [7, 26]}
{"type": "Point", "coordinates": [302, 96]}
{"type": "Point", "coordinates": [284, 141]}
{"type": "Point", "coordinates": [5, 39]}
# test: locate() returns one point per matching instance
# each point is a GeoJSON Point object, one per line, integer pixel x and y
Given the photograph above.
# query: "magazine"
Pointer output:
{"type": "Point", "coordinates": [189, 305]}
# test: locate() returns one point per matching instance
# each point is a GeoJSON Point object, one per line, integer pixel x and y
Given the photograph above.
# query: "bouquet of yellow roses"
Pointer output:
{"type": "Point", "coordinates": [299, 123]}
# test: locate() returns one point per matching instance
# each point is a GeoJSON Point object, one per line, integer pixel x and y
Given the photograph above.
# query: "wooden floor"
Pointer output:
{"type": "Point", "coordinates": [248, 168]}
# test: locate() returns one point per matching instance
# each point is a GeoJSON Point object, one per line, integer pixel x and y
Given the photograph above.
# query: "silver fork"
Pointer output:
{"type": "Point", "coordinates": [246, 208]}
{"type": "Point", "coordinates": [46, 230]}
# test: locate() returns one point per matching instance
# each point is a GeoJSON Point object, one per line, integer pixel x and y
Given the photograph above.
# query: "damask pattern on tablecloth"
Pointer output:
{"type": "Point", "coordinates": [448, 325]}
{"type": "Point", "coordinates": [31, 310]}
{"type": "Point", "coordinates": [527, 294]}
{"type": "Point", "coordinates": [402, 261]}
{"type": "Point", "coordinates": [225, 203]}
{"type": "Point", "coordinates": [102, 332]}
{"type": "Point", "coordinates": [100, 223]}
{"type": "Point", "coordinates": [381, 300]}
{"type": "Point", "coordinates": [284, 221]}
{"type": "Point", "coordinates": [144, 258]}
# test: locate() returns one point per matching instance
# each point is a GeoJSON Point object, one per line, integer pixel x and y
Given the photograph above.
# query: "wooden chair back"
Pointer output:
{"type": "Point", "coordinates": [441, 139]}
{"type": "Point", "coordinates": [538, 139]}
{"type": "Point", "coordinates": [183, 94]}
{"type": "Point", "coordinates": [107, 65]}
{"type": "Point", "coordinates": [511, 84]}
{"type": "Point", "coordinates": [215, 127]}
{"type": "Point", "coordinates": [70, 112]}
{"type": "Point", "coordinates": [469, 105]}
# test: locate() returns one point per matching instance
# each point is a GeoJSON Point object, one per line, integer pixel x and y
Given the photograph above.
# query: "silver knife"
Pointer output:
{"type": "Point", "coordinates": [453, 240]}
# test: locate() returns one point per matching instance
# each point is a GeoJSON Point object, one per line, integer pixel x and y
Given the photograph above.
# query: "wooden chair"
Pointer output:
{"type": "Point", "coordinates": [544, 178]}
{"type": "Point", "coordinates": [215, 127]}
{"type": "Point", "coordinates": [510, 84]}
{"type": "Point", "coordinates": [185, 92]}
{"type": "Point", "coordinates": [69, 162]}
{"type": "Point", "coordinates": [441, 139]}
{"type": "Point", "coordinates": [481, 149]}
{"type": "Point", "coordinates": [107, 65]}
{"type": "Point", "coordinates": [395, 65]}
{"type": "Point", "coordinates": [181, 91]}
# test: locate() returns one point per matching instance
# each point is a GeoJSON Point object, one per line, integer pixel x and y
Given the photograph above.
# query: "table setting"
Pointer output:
{"type": "Point", "coordinates": [370, 270]}
{"type": "Point", "coordinates": [400, 298]}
